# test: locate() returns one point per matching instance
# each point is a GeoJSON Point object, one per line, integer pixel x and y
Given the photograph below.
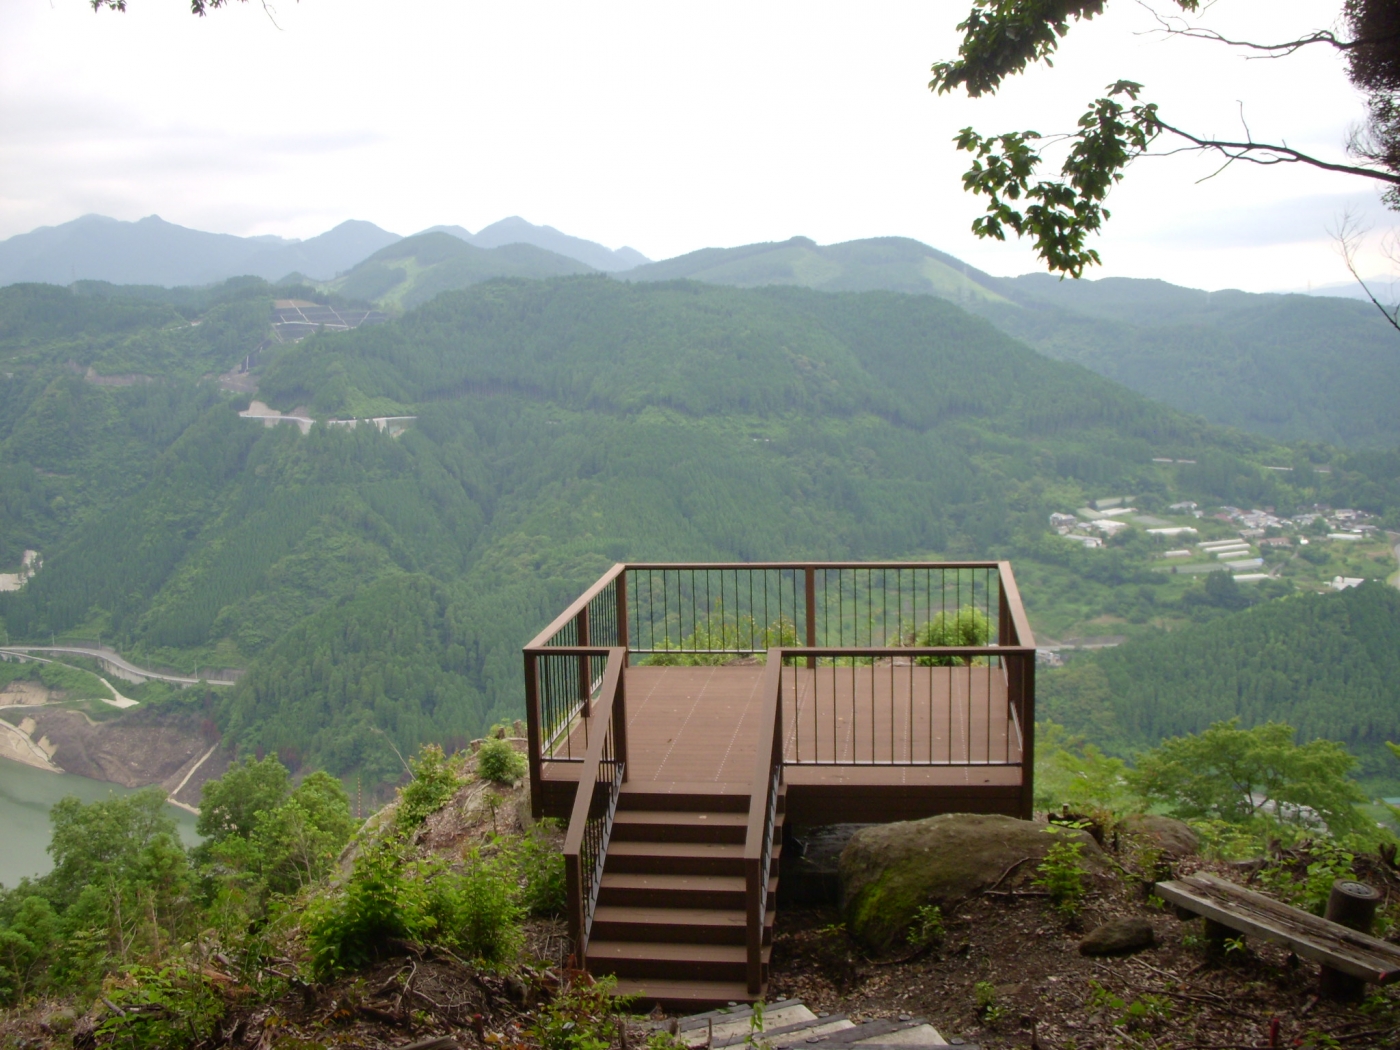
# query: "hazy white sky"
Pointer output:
{"type": "Point", "coordinates": [664, 126]}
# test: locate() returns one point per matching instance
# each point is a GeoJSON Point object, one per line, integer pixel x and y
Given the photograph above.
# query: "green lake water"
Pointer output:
{"type": "Point", "coordinates": [26, 794]}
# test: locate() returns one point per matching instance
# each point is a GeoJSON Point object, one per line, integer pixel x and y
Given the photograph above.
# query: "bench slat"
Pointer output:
{"type": "Point", "coordinates": [1328, 943]}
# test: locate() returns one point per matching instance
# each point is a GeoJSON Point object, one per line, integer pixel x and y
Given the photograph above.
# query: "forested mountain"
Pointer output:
{"type": "Point", "coordinates": [415, 269]}
{"type": "Point", "coordinates": [1326, 664]}
{"type": "Point", "coordinates": [1290, 367]}
{"type": "Point", "coordinates": [378, 588]}
{"type": "Point", "coordinates": [153, 251]}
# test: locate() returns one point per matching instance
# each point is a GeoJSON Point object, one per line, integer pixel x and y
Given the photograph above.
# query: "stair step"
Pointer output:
{"type": "Point", "coordinates": [677, 891]}
{"type": "Point", "coordinates": [682, 858]}
{"type": "Point", "coordinates": [684, 995]}
{"type": "Point", "coordinates": [672, 961]}
{"type": "Point", "coordinates": [647, 825]}
{"type": "Point", "coordinates": [680, 925]}
{"type": "Point", "coordinates": [642, 797]}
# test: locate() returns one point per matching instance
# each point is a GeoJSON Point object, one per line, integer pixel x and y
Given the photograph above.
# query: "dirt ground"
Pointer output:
{"type": "Point", "coordinates": [1038, 991]}
{"type": "Point", "coordinates": [133, 751]}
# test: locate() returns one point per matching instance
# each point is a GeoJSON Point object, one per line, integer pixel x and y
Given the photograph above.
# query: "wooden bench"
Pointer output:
{"type": "Point", "coordinates": [1347, 956]}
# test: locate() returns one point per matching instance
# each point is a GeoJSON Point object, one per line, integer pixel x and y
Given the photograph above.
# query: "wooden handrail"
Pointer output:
{"type": "Point", "coordinates": [581, 602]}
{"type": "Point", "coordinates": [763, 762]}
{"type": "Point", "coordinates": [758, 836]}
{"type": "Point", "coordinates": [1024, 637]}
{"type": "Point", "coordinates": [603, 712]}
{"type": "Point", "coordinates": [909, 650]}
{"type": "Point", "coordinates": [671, 566]}
{"type": "Point", "coordinates": [583, 796]}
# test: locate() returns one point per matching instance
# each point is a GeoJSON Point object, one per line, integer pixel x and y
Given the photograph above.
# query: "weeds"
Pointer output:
{"type": "Point", "coordinates": [580, 1017]}
{"type": "Point", "coordinates": [985, 994]}
{"type": "Point", "coordinates": [927, 929]}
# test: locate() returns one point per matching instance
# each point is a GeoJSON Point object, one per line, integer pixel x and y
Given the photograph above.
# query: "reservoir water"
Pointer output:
{"type": "Point", "coordinates": [27, 793]}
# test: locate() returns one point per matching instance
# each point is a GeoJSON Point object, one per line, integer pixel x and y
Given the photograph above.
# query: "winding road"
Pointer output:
{"type": "Point", "coordinates": [113, 660]}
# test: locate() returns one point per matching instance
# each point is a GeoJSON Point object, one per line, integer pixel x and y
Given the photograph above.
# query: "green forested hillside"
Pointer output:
{"type": "Point", "coordinates": [1290, 367]}
{"type": "Point", "coordinates": [377, 589]}
{"type": "Point", "coordinates": [1327, 664]}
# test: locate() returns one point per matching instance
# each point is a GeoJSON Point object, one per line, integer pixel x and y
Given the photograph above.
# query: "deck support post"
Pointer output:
{"type": "Point", "coordinates": [532, 733]}
{"type": "Point", "coordinates": [1026, 699]}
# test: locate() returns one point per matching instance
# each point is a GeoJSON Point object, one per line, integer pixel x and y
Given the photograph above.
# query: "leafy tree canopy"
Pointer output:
{"type": "Point", "coordinates": [1235, 774]}
{"type": "Point", "coordinates": [1002, 37]}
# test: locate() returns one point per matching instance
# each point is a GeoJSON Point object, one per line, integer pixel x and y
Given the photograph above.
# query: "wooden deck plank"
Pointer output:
{"type": "Point", "coordinates": [697, 725]}
{"type": "Point", "coordinates": [692, 732]}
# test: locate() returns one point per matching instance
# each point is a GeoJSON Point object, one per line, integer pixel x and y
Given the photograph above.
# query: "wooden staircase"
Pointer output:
{"type": "Point", "coordinates": [670, 922]}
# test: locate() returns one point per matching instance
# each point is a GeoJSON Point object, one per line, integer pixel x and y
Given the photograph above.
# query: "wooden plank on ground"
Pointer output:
{"type": "Point", "coordinates": [1311, 937]}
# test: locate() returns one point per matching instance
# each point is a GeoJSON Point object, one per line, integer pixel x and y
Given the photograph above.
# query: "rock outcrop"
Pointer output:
{"type": "Point", "coordinates": [1173, 837]}
{"type": "Point", "coordinates": [1119, 937]}
{"type": "Point", "coordinates": [889, 871]}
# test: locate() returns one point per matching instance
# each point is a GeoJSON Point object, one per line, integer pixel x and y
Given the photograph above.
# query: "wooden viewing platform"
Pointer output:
{"type": "Point", "coordinates": [706, 706]}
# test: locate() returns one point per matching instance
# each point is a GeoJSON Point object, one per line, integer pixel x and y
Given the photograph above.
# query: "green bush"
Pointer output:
{"type": "Point", "coordinates": [174, 1006]}
{"type": "Point", "coordinates": [967, 627]}
{"type": "Point", "coordinates": [435, 780]}
{"type": "Point", "coordinates": [476, 912]}
{"type": "Point", "coordinates": [500, 763]}
{"type": "Point", "coordinates": [541, 870]}
{"type": "Point", "coordinates": [385, 899]}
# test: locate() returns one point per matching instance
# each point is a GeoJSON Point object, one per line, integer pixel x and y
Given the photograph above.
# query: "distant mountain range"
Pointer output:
{"type": "Point", "coordinates": [152, 251]}
{"type": "Point", "coordinates": [1289, 366]}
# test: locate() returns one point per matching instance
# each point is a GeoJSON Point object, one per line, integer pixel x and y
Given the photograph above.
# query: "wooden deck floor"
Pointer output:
{"type": "Point", "coordinates": [693, 729]}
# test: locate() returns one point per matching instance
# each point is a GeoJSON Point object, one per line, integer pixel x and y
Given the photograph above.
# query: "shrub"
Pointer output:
{"type": "Point", "coordinates": [385, 899]}
{"type": "Point", "coordinates": [171, 1007]}
{"type": "Point", "coordinates": [966, 627]}
{"type": "Point", "coordinates": [500, 763]}
{"type": "Point", "coordinates": [581, 1017]}
{"type": "Point", "coordinates": [476, 912]}
{"type": "Point", "coordinates": [1061, 874]}
{"type": "Point", "coordinates": [540, 865]}
{"type": "Point", "coordinates": [435, 780]}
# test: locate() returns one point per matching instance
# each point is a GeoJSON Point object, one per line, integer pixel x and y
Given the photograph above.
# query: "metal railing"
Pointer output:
{"type": "Point", "coordinates": [595, 802]}
{"type": "Point", "coordinates": [904, 706]}
{"type": "Point", "coordinates": [707, 613]}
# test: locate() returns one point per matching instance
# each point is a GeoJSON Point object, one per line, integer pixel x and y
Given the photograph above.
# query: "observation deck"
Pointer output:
{"type": "Point", "coordinates": [707, 706]}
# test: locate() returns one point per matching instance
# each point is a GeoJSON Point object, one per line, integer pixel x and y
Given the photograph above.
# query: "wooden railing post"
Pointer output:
{"type": "Point", "coordinates": [619, 717]}
{"type": "Point", "coordinates": [532, 733]}
{"type": "Point", "coordinates": [621, 597]}
{"type": "Point", "coordinates": [810, 586]}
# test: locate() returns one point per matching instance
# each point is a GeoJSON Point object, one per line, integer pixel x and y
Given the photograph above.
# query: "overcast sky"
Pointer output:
{"type": "Point", "coordinates": [663, 126]}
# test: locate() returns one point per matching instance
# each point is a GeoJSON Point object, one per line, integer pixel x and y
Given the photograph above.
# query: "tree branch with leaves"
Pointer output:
{"type": "Point", "coordinates": [1001, 38]}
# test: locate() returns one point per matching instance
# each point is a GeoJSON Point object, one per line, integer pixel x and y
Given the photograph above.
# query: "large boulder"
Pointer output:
{"type": "Point", "coordinates": [889, 871]}
{"type": "Point", "coordinates": [1173, 837]}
